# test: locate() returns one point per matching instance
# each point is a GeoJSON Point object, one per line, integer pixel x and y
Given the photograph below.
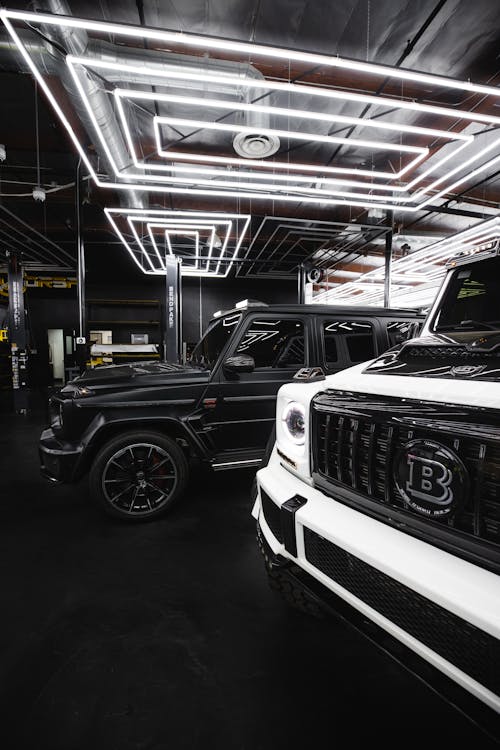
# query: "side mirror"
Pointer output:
{"type": "Point", "coordinates": [238, 363]}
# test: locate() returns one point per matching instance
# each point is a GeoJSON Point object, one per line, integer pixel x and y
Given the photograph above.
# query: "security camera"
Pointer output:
{"type": "Point", "coordinates": [315, 275]}
{"type": "Point", "coordinates": [39, 194]}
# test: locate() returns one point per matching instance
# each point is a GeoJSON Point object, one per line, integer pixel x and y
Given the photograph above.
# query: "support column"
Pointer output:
{"type": "Point", "coordinates": [173, 307]}
{"type": "Point", "coordinates": [81, 339]}
{"type": "Point", "coordinates": [17, 333]}
{"type": "Point", "coordinates": [301, 284]}
{"type": "Point", "coordinates": [388, 260]}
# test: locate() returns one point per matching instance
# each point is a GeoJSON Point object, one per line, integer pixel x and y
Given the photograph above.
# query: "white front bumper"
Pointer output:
{"type": "Point", "coordinates": [460, 587]}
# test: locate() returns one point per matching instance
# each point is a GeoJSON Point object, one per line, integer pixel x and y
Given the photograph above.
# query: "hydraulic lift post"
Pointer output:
{"type": "Point", "coordinates": [173, 307]}
{"type": "Point", "coordinates": [17, 333]}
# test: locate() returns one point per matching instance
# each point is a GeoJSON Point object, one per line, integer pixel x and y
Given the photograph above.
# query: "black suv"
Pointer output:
{"type": "Point", "coordinates": [135, 429]}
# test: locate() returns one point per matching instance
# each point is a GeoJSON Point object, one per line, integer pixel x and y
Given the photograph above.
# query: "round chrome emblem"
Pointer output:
{"type": "Point", "coordinates": [430, 478]}
{"type": "Point", "coordinates": [467, 371]}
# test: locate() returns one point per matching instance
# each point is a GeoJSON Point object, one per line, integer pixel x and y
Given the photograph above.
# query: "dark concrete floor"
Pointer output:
{"type": "Point", "coordinates": [166, 635]}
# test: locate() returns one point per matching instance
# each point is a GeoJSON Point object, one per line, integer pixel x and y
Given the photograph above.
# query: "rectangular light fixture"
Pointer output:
{"type": "Point", "coordinates": [223, 235]}
{"type": "Point", "coordinates": [427, 264]}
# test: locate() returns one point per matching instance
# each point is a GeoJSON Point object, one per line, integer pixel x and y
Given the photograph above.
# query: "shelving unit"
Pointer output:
{"type": "Point", "coordinates": [127, 320]}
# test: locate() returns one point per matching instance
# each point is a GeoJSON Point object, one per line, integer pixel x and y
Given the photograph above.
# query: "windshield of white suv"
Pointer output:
{"type": "Point", "coordinates": [208, 349]}
{"type": "Point", "coordinates": [472, 299]}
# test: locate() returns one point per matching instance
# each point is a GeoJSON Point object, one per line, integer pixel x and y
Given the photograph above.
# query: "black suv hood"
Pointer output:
{"type": "Point", "coordinates": [459, 355]}
{"type": "Point", "coordinates": [140, 373]}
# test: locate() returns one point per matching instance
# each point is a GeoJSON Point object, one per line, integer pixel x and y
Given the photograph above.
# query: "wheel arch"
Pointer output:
{"type": "Point", "coordinates": [107, 430]}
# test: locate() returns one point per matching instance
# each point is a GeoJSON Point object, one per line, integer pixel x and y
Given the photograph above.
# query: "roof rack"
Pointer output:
{"type": "Point", "coordinates": [243, 304]}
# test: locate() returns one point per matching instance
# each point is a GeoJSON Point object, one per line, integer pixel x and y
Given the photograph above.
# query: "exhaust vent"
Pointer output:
{"type": "Point", "coordinates": [255, 145]}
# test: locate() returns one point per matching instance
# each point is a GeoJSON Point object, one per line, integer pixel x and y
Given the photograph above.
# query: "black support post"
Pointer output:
{"type": "Point", "coordinates": [81, 339]}
{"type": "Point", "coordinates": [17, 334]}
{"type": "Point", "coordinates": [388, 260]}
{"type": "Point", "coordinates": [173, 306]}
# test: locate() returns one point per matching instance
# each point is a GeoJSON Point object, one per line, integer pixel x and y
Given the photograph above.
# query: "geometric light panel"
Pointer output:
{"type": "Point", "coordinates": [280, 244]}
{"type": "Point", "coordinates": [415, 278]}
{"type": "Point", "coordinates": [405, 155]}
{"type": "Point", "coordinates": [207, 242]}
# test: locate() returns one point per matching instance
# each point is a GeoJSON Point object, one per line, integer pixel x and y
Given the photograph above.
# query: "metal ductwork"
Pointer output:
{"type": "Point", "coordinates": [254, 145]}
{"type": "Point", "coordinates": [76, 41]}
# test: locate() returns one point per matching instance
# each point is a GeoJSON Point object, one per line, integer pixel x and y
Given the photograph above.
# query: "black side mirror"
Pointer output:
{"type": "Point", "coordinates": [239, 363]}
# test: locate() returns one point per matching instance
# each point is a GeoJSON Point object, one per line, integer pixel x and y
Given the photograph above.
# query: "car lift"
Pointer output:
{"type": "Point", "coordinates": [173, 306]}
{"type": "Point", "coordinates": [17, 333]}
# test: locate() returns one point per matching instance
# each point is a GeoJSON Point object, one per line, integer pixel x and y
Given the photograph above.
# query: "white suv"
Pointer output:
{"type": "Point", "coordinates": [384, 483]}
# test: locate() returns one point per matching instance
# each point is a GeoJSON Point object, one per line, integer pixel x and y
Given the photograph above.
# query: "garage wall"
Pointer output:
{"type": "Point", "coordinates": [57, 308]}
{"type": "Point", "coordinates": [200, 297]}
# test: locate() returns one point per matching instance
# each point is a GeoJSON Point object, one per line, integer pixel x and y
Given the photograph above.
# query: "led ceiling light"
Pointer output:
{"type": "Point", "coordinates": [176, 226]}
{"type": "Point", "coordinates": [284, 240]}
{"type": "Point", "coordinates": [232, 161]}
{"type": "Point", "coordinates": [426, 266]}
{"type": "Point", "coordinates": [217, 238]}
{"type": "Point", "coordinates": [274, 165]}
{"type": "Point", "coordinates": [213, 240]}
{"type": "Point", "coordinates": [462, 155]}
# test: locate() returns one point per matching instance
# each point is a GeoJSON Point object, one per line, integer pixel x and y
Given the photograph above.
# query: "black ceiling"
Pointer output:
{"type": "Point", "coordinates": [456, 38]}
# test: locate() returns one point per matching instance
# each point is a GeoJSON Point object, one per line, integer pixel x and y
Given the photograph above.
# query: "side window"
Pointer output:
{"type": "Point", "coordinates": [331, 349]}
{"type": "Point", "coordinates": [356, 335]}
{"type": "Point", "coordinates": [276, 343]}
{"type": "Point", "coordinates": [360, 347]}
{"type": "Point", "coordinates": [401, 330]}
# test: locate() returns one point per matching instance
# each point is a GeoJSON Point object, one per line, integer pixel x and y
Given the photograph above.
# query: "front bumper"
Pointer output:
{"type": "Point", "coordinates": [445, 609]}
{"type": "Point", "coordinates": [58, 460]}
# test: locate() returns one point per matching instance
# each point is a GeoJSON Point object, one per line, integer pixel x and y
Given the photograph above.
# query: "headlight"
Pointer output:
{"type": "Point", "coordinates": [294, 422]}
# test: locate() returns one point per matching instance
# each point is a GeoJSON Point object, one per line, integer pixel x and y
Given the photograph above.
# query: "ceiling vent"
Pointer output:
{"type": "Point", "coordinates": [255, 145]}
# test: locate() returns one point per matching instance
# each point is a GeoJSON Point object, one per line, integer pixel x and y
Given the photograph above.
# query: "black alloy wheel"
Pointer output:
{"type": "Point", "coordinates": [138, 475]}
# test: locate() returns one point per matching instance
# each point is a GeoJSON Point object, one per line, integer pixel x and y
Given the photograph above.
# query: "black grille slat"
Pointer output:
{"type": "Point", "coordinates": [340, 436]}
{"type": "Point", "coordinates": [355, 453]}
{"type": "Point", "coordinates": [470, 649]}
{"type": "Point", "coordinates": [366, 435]}
{"type": "Point", "coordinates": [388, 463]}
{"type": "Point", "coordinates": [371, 459]}
{"type": "Point", "coordinates": [326, 440]}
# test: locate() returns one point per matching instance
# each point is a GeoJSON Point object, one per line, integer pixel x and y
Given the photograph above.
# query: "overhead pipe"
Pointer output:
{"type": "Point", "coordinates": [76, 42]}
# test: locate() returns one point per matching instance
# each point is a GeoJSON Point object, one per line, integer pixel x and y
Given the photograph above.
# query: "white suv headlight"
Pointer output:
{"type": "Point", "coordinates": [294, 422]}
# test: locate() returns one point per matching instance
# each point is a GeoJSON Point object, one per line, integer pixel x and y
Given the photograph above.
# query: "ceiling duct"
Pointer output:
{"type": "Point", "coordinates": [75, 42]}
{"type": "Point", "coordinates": [251, 145]}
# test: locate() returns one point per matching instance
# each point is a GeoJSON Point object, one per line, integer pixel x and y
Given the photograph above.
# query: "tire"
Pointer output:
{"type": "Point", "coordinates": [288, 588]}
{"type": "Point", "coordinates": [292, 593]}
{"type": "Point", "coordinates": [138, 476]}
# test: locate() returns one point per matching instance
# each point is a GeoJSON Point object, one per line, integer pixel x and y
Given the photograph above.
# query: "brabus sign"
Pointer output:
{"type": "Point", "coordinates": [430, 478]}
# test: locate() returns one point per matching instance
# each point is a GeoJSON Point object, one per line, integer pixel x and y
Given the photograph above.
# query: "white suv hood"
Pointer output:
{"type": "Point", "coordinates": [446, 390]}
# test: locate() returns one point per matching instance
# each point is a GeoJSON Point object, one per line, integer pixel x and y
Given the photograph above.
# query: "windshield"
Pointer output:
{"type": "Point", "coordinates": [472, 299]}
{"type": "Point", "coordinates": [208, 349]}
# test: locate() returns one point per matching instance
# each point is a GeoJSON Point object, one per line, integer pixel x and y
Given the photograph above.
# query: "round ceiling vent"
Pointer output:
{"type": "Point", "coordinates": [255, 145]}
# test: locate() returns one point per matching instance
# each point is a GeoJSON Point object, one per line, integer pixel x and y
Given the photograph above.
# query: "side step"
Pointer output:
{"type": "Point", "coordinates": [237, 460]}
